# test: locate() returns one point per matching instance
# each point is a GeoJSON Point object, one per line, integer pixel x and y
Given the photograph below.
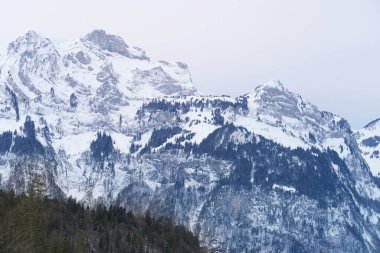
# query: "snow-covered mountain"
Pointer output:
{"type": "Point", "coordinates": [265, 171]}
{"type": "Point", "coordinates": [369, 143]}
{"type": "Point", "coordinates": [82, 66]}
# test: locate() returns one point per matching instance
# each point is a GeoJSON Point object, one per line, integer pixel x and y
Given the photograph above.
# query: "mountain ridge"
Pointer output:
{"type": "Point", "coordinates": [103, 123]}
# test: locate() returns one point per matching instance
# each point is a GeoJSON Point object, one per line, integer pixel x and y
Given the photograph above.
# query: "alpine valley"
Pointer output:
{"type": "Point", "coordinates": [263, 172]}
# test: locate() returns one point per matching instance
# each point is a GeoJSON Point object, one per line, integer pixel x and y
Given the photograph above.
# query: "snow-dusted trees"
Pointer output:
{"type": "Point", "coordinates": [73, 101]}
{"type": "Point", "coordinates": [217, 117]}
{"type": "Point", "coordinates": [102, 147]}
{"type": "Point", "coordinates": [29, 144]}
{"type": "Point", "coordinates": [52, 92]}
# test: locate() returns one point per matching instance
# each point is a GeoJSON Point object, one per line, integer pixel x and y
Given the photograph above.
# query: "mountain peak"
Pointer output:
{"type": "Point", "coordinates": [270, 87]}
{"type": "Point", "coordinates": [28, 42]}
{"type": "Point", "coordinates": [273, 98]}
{"type": "Point", "coordinates": [105, 41]}
{"type": "Point", "coordinates": [114, 43]}
{"type": "Point", "coordinates": [32, 34]}
{"type": "Point", "coordinates": [273, 84]}
{"type": "Point", "coordinates": [35, 64]}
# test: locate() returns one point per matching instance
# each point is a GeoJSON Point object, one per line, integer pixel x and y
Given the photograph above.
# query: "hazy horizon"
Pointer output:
{"type": "Point", "coordinates": [325, 51]}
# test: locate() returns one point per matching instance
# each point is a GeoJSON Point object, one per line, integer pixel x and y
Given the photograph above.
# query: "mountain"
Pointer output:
{"type": "Point", "coordinates": [266, 171]}
{"type": "Point", "coordinates": [369, 139]}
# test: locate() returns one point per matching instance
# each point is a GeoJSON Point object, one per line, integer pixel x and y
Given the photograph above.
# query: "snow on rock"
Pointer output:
{"type": "Point", "coordinates": [114, 126]}
{"type": "Point", "coordinates": [284, 188]}
{"type": "Point", "coordinates": [369, 143]}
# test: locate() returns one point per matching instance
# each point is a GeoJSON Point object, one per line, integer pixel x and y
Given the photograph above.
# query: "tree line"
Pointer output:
{"type": "Point", "coordinates": [33, 223]}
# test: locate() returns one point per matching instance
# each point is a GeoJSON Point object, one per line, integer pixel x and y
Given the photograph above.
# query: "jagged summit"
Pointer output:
{"type": "Point", "coordinates": [35, 64]}
{"type": "Point", "coordinates": [29, 42]}
{"type": "Point", "coordinates": [114, 43]}
{"type": "Point", "coordinates": [271, 87]}
{"type": "Point", "coordinates": [272, 84]}
{"type": "Point", "coordinates": [275, 88]}
{"type": "Point", "coordinates": [101, 38]}
{"type": "Point", "coordinates": [275, 98]}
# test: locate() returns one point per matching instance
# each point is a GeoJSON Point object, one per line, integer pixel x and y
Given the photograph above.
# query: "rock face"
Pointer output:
{"type": "Point", "coordinates": [113, 43]}
{"type": "Point", "coordinates": [266, 171]}
{"type": "Point", "coordinates": [369, 143]}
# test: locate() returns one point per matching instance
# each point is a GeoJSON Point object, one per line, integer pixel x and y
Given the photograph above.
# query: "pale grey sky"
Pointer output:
{"type": "Point", "coordinates": [326, 50]}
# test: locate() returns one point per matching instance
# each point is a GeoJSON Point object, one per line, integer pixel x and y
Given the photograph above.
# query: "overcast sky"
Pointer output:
{"type": "Point", "coordinates": [327, 50]}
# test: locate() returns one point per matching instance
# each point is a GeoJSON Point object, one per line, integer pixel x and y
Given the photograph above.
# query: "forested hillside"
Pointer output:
{"type": "Point", "coordinates": [35, 224]}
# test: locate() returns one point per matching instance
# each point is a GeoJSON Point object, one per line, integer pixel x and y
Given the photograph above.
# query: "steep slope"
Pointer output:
{"type": "Point", "coordinates": [369, 140]}
{"type": "Point", "coordinates": [266, 171]}
{"type": "Point", "coordinates": [72, 89]}
{"type": "Point", "coordinates": [301, 175]}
